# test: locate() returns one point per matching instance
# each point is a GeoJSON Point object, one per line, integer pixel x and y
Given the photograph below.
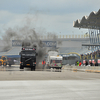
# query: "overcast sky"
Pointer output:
{"type": "Point", "coordinates": [55, 16]}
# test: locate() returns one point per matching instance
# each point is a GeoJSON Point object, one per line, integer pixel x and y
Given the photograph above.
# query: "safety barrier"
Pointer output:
{"type": "Point", "coordinates": [63, 36]}
{"type": "Point", "coordinates": [95, 69]}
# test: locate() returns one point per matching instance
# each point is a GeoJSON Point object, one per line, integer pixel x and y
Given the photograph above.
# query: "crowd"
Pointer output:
{"type": "Point", "coordinates": [79, 63]}
{"type": "Point", "coordinates": [92, 54]}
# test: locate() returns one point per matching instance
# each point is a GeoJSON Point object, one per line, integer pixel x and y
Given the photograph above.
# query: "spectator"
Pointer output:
{"type": "Point", "coordinates": [96, 63]}
{"type": "Point", "coordinates": [80, 63]}
{"type": "Point", "coordinates": [90, 62]}
{"type": "Point", "coordinates": [43, 63]}
{"type": "Point", "coordinates": [86, 63]}
{"type": "Point", "coordinates": [77, 63]}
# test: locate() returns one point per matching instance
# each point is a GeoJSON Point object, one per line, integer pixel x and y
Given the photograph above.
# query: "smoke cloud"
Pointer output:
{"type": "Point", "coordinates": [27, 34]}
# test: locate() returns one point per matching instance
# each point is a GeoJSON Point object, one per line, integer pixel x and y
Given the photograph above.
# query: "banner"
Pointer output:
{"type": "Point", "coordinates": [49, 43]}
{"type": "Point", "coordinates": [89, 61]}
{"type": "Point", "coordinates": [99, 61]}
{"type": "Point", "coordinates": [83, 61]}
{"type": "Point", "coordinates": [16, 43]}
{"type": "Point", "coordinates": [45, 43]}
{"type": "Point", "coordinates": [93, 61]}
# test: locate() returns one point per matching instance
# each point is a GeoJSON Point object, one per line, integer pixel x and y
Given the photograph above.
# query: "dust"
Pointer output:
{"type": "Point", "coordinates": [28, 34]}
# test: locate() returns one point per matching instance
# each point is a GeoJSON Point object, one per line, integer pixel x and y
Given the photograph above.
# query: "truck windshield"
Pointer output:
{"type": "Point", "coordinates": [28, 53]}
{"type": "Point", "coordinates": [56, 61]}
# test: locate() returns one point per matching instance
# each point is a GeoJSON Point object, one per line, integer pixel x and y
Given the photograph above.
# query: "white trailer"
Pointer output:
{"type": "Point", "coordinates": [54, 62]}
{"type": "Point", "coordinates": [51, 53]}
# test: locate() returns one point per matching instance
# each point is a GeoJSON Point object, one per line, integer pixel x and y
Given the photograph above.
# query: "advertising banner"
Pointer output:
{"type": "Point", "coordinates": [45, 43]}
{"type": "Point", "coordinates": [99, 61]}
{"type": "Point", "coordinates": [49, 43]}
{"type": "Point", "coordinates": [89, 61]}
{"type": "Point", "coordinates": [93, 61]}
{"type": "Point", "coordinates": [16, 43]}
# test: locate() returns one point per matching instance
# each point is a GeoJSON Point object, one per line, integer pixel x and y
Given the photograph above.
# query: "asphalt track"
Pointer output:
{"type": "Point", "coordinates": [14, 73]}
{"type": "Point", "coordinates": [16, 84]}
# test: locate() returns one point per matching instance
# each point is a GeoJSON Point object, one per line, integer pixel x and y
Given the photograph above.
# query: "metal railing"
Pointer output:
{"type": "Point", "coordinates": [63, 36]}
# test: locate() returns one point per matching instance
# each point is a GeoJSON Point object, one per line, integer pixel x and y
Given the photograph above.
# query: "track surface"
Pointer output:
{"type": "Point", "coordinates": [14, 73]}
{"type": "Point", "coordinates": [16, 84]}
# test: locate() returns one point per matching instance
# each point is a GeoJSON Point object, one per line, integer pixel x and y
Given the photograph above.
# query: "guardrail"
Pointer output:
{"type": "Point", "coordinates": [63, 36]}
{"type": "Point", "coordinates": [95, 69]}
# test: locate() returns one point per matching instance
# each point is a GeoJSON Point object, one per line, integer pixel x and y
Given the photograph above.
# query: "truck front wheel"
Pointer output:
{"type": "Point", "coordinates": [60, 69]}
{"type": "Point", "coordinates": [21, 67]}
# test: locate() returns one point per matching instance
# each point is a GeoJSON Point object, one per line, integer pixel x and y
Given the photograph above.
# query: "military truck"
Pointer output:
{"type": "Point", "coordinates": [28, 58]}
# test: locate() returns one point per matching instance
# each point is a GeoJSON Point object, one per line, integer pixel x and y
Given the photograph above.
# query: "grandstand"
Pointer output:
{"type": "Point", "coordinates": [13, 51]}
{"type": "Point", "coordinates": [65, 46]}
{"type": "Point", "coordinates": [76, 44]}
{"type": "Point", "coordinates": [66, 50]}
{"type": "Point", "coordinates": [91, 23]}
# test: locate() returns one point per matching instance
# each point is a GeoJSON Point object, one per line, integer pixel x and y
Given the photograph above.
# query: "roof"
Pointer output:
{"type": "Point", "coordinates": [56, 57]}
{"type": "Point", "coordinates": [66, 50]}
{"type": "Point", "coordinates": [91, 22]}
{"type": "Point", "coordinates": [12, 51]}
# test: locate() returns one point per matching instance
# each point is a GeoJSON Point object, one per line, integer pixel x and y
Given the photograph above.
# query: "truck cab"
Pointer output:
{"type": "Point", "coordinates": [3, 61]}
{"type": "Point", "coordinates": [28, 58]}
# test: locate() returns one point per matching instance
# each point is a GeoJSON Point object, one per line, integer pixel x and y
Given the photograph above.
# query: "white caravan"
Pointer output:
{"type": "Point", "coordinates": [55, 62]}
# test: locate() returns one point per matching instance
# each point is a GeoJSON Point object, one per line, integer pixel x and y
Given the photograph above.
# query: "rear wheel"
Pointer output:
{"type": "Point", "coordinates": [60, 69]}
{"type": "Point", "coordinates": [32, 68]}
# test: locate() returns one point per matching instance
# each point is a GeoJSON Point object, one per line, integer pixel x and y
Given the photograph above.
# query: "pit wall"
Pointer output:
{"type": "Point", "coordinates": [92, 69]}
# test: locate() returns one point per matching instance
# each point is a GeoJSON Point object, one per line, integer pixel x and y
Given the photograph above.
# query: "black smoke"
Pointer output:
{"type": "Point", "coordinates": [28, 34]}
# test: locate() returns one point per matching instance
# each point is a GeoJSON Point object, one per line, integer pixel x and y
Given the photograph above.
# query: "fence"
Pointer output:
{"type": "Point", "coordinates": [64, 36]}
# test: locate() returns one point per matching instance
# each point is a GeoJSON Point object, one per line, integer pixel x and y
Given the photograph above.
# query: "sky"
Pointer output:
{"type": "Point", "coordinates": [45, 16]}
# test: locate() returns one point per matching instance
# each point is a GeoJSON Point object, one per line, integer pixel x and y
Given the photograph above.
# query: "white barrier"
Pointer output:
{"type": "Point", "coordinates": [95, 69]}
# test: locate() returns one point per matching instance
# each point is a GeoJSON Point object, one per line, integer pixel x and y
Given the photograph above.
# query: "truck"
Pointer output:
{"type": "Point", "coordinates": [10, 61]}
{"type": "Point", "coordinates": [3, 61]}
{"type": "Point", "coordinates": [28, 58]}
{"type": "Point", "coordinates": [54, 60]}
{"type": "Point", "coordinates": [6, 61]}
